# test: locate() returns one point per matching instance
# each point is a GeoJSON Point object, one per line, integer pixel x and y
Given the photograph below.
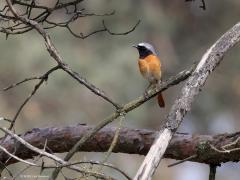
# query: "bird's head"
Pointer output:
{"type": "Point", "coordinates": [145, 49]}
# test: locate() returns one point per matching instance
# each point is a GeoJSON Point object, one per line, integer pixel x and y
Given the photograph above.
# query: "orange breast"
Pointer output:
{"type": "Point", "coordinates": [150, 68]}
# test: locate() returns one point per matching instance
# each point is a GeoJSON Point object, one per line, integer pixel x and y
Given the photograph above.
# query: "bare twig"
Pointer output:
{"type": "Point", "coordinates": [93, 163]}
{"type": "Point", "coordinates": [24, 169]}
{"type": "Point", "coordinates": [37, 86]}
{"type": "Point", "coordinates": [104, 29]}
{"type": "Point", "coordinates": [229, 148]}
{"type": "Point", "coordinates": [15, 157]}
{"type": "Point", "coordinates": [114, 141]}
{"type": "Point", "coordinates": [2, 167]}
{"type": "Point", "coordinates": [42, 14]}
{"type": "Point", "coordinates": [5, 119]}
{"type": "Point", "coordinates": [20, 82]}
{"type": "Point", "coordinates": [125, 33]}
{"type": "Point", "coordinates": [183, 103]}
{"type": "Point", "coordinates": [230, 145]}
{"type": "Point", "coordinates": [182, 161]}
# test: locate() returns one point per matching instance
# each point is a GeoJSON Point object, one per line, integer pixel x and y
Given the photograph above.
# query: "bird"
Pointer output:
{"type": "Point", "coordinates": [150, 67]}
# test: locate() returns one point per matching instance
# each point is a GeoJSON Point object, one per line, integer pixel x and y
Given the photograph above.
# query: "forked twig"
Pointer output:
{"type": "Point", "coordinates": [37, 86]}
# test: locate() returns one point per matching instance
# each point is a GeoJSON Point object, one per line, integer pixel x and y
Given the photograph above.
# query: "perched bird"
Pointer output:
{"type": "Point", "coordinates": [150, 66]}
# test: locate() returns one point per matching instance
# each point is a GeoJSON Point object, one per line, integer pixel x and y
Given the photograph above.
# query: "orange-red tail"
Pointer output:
{"type": "Point", "coordinates": [161, 102]}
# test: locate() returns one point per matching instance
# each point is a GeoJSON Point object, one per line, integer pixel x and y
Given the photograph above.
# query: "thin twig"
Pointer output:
{"type": "Point", "coordinates": [227, 146]}
{"type": "Point", "coordinates": [90, 162]}
{"type": "Point", "coordinates": [227, 151]}
{"type": "Point", "coordinates": [114, 141]}
{"type": "Point", "coordinates": [15, 157]}
{"type": "Point", "coordinates": [24, 169]}
{"type": "Point", "coordinates": [4, 167]}
{"type": "Point", "coordinates": [182, 161]}
{"type": "Point", "coordinates": [43, 18]}
{"type": "Point", "coordinates": [5, 119]}
{"type": "Point", "coordinates": [20, 82]}
{"type": "Point", "coordinates": [37, 86]}
{"type": "Point", "coordinates": [127, 32]}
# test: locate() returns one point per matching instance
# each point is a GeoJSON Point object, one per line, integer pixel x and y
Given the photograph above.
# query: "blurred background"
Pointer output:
{"type": "Point", "coordinates": [180, 31]}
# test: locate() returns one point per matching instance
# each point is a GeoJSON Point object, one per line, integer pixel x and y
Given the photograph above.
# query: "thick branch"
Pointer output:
{"type": "Point", "coordinates": [131, 141]}
{"type": "Point", "coordinates": [42, 152]}
{"type": "Point", "coordinates": [183, 103]}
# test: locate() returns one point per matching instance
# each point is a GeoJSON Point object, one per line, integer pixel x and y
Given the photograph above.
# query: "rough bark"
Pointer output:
{"type": "Point", "coordinates": [131, 141]}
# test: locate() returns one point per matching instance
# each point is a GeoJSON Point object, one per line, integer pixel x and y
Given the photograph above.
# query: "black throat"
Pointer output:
{"type": "Point", "coordinates": [144, 53]}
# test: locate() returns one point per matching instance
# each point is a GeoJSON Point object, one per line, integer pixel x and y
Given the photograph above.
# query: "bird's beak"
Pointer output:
{"type": "Point", "coordinates": [136, 46]}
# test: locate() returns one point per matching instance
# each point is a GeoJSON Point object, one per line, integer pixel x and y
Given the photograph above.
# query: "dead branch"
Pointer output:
{"type": "Point", "coordinates": [42, 152]}
{"type": "Point", "coordinates": [131, 141]}
{"type": "Point", "coordinates": [183, 103]}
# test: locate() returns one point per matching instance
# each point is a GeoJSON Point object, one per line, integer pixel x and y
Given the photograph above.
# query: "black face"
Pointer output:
{"type": "Point", "coordinates": [143, 52]}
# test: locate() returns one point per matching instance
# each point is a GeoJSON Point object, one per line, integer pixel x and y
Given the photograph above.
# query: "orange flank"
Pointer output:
{"type": "Point", "coordinates": [150, 68]}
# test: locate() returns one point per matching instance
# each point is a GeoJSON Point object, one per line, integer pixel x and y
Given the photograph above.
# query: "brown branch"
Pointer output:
{"type": "Point", "coordinates": [41, 152]}
{"type": "Point", "coordinates": [131, 141]}
{"type": "Point", "coordinates": [56, 56]}
{"type": "Point", "coordinates": [183, 103]}
{"type": "Point", "coordinates": [126, 108]}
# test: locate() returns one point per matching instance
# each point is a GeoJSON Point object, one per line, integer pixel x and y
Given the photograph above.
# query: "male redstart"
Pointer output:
{"type": "Point", "coordinates": [150, 66]}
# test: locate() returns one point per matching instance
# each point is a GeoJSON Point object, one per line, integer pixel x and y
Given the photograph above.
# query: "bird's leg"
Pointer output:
{"type": "Point", "coordinates": [145, 93]}
{"type": "Point", "coordinates": [159, 82]}
{"type": "Point", "coordinates": [150, 84]}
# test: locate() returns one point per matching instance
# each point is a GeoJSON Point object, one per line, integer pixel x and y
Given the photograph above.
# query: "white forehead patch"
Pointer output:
{"type": "Point", "coordinates": [148, 46]}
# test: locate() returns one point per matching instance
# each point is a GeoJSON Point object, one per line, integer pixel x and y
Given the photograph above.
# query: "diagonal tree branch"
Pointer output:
{"type": "Point", "coordinates": [183, 103]}
{"type": "Point", "coordinates": [125, 109]}
{"type": "Point", "coordinates": [56, 56]}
